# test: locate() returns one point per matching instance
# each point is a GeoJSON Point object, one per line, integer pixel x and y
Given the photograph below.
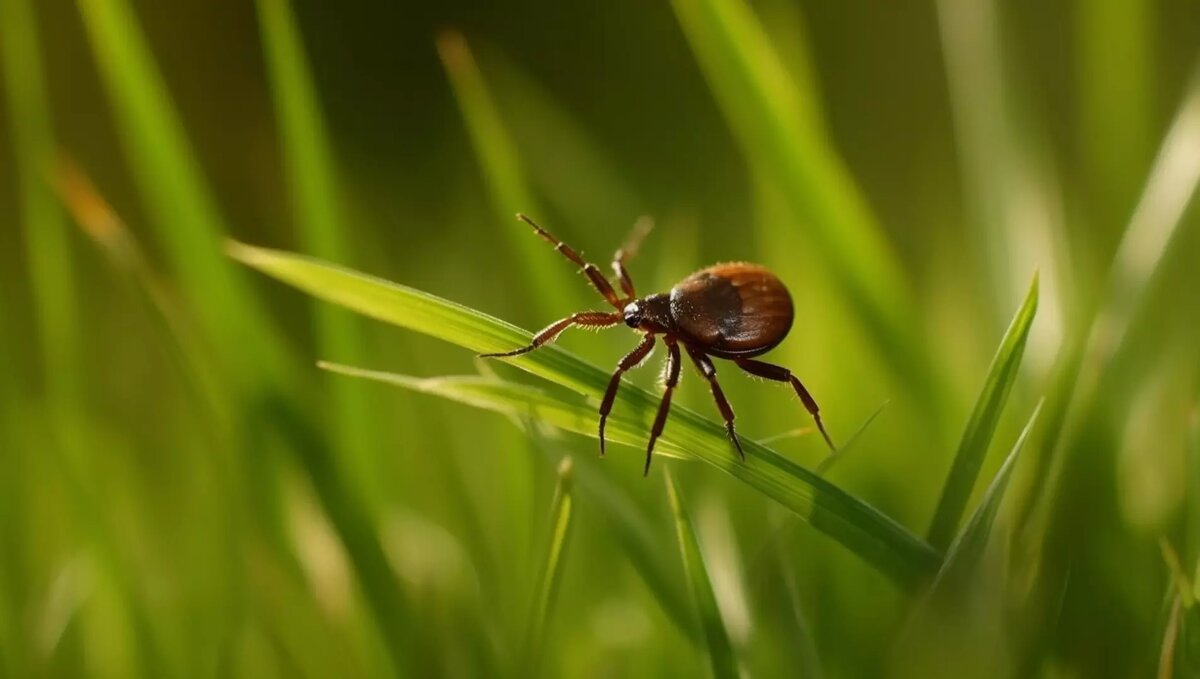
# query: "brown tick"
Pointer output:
{"type": "Point", "coordinates": [733, 311]}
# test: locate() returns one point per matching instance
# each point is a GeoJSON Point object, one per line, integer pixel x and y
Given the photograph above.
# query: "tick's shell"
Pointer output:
{"type": "Point", "coordinates": [732, 310]}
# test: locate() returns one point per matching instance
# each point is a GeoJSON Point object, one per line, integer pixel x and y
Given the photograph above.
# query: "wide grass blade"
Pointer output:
{"type": "Point", "coordinates": [880, 540]}
{"type": "Point", "coordinates": [561, 509]}
{"type": "Point", "coordinates": [777, 120]}
{"type": "Point", "coordinates": [177, 199]}
{"type": "Point", "coordinates": [982, 424]}
{"type": "Point", "coordinates": [720, 649]}
{"type": "Point", "coordinates": [317, 211]}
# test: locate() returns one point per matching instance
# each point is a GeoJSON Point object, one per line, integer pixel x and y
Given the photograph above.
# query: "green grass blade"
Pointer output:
{"type": "Point", "coordinates": [47, 243]}
{"type": "Point", "coordinates": [878, 539]}
{"type": "Point", "coordinates": [177, 200]}
{"type": "Point", "coordinates": [982, 424]}
{"type": "Point", "coordinates": [720, 649]}
{"type": "Point", "coordinates": [551, 575]}
{"type": "Point", "coordinates": [968, 547]}
{"type": "Point", "coordinates": [776, 119]}
{"type": "Point", "coordinates": [629, 525]}
{"type": "Point", "coordinates": [317, 211]}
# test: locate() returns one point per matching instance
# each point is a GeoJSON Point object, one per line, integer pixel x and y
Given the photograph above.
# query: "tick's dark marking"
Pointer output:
{"type": "Point", "coordinates": [734, 311]}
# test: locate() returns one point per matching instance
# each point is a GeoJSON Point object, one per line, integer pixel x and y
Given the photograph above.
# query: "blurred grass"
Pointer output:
{"type": "Point", "coordinates": [319, 216]}
{"type": "Point", "coordinates": [180, 497]}
{"type": "Point", "coordinates": [561, 509]}
{"type": "Point", "coordinates": [721, 656]}
{"type": "Point", "coordinates": [181, 208]}
{"type": "Point", "coordinates": [778, 124]}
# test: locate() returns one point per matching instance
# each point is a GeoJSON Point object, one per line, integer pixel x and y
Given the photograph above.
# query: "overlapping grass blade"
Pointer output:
{"type": "Point", "coordinates": [982, 424]}
{"type": "Point", "coordinates": [777, 120]}
{"type": "Point", "coordinates": [177, 200]}
{"type": "Point", "coordinates": [720, 649]}
{"type": "Point", "coordinates": [561, 510]}
{"type": "Point", "coordinates": [880, 540]}
{"type": "Point", "coordinates": [968, 547]}
{"type": "Point", "coordinates": [317, 211]}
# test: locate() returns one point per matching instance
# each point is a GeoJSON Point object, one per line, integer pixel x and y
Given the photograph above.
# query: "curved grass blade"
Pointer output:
{"type": "Point", "coordinates": [777, 120]}
{"type": "Point", "coordinates": [551, 575]}
{"type": "Point", "coordinates": [982, 424]}
{"type": "Point", "coordinates": [720, 649]}
{"type": "Point", "coordinates": [877, 538]}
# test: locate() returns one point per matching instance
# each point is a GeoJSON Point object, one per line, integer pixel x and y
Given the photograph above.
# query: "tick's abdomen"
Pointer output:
{"type": "Point", "coordinates": [732, 310]}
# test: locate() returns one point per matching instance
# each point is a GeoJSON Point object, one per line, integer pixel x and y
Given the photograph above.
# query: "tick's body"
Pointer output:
{"type": "Point", "coordinates": [733, 311]}
{"type": "Point", "coordinates": [730, 310]}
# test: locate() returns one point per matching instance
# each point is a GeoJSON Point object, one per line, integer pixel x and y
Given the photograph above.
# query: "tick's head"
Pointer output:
{"type": "Point", "coordinates": [634, 314]}
{"type": "Point", "coordinates": [650, 314]}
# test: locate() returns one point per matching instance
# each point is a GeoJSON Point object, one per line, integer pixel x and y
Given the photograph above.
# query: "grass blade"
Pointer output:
{"type": "Point", "coordinates": [968, 547]}
{"type": "Point", "coordinates": [777, 120]}
{"type": "Point", "coordinates": [720, 649]}
{"type": "Point", "coordinates": [48, 251]}
{"type": "Point", "coordinates": [982, 424]}
{"type": "Point", "coordinates": [629, 525]}
{"type": "Point", "coordinates": [317, 211]}
{"type": "Point", "coordinates": [877, 538]}
{"type": "Point", "coordinates": [177, 200]}
{"type": "Point", "coordinates": [551, 575]}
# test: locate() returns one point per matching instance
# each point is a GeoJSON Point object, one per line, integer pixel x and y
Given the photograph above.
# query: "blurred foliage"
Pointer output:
{"type": "Point", "coordinates": [184, 493]}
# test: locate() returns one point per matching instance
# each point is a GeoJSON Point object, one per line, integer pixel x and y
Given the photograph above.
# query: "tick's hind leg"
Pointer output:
{"type": "Point", "coordinates": [660, 420]}
{"type": "Point", "coordinates": [631, 360]}
{"type": "Point", "coordinates": [705, 365]}
{"type": "Point", "coordinates": [583, 319]}
{"type": "Point", "coordinates": [781, 374]}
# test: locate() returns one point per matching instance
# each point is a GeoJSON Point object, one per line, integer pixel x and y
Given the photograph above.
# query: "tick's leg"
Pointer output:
{"type": "Point", "coordinates": [631, 361]}
{"type": "Point", "coordinates": [597, 279]}
{"type": "Point", "coordinates": [705, 365]}
{"type": "Point", "coordinates": [583, 319]}
{"type": "Point", "coordinates": [640, 228]}
{"type": "Point", "coordinates": [782, 374]}
{"type": "Point", "coordinates": [672, 379]}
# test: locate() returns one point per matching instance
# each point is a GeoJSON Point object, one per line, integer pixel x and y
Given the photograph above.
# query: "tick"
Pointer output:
{"type": "Point", "coordinates": [733, 311]}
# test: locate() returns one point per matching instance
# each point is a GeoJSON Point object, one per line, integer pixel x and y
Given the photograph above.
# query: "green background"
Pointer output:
{"type": "Point", "coordinates": [184, 493]}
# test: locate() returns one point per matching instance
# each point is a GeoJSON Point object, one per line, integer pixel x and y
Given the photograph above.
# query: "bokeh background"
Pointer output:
{"type": "Point", "coordinates": [184, 493]}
